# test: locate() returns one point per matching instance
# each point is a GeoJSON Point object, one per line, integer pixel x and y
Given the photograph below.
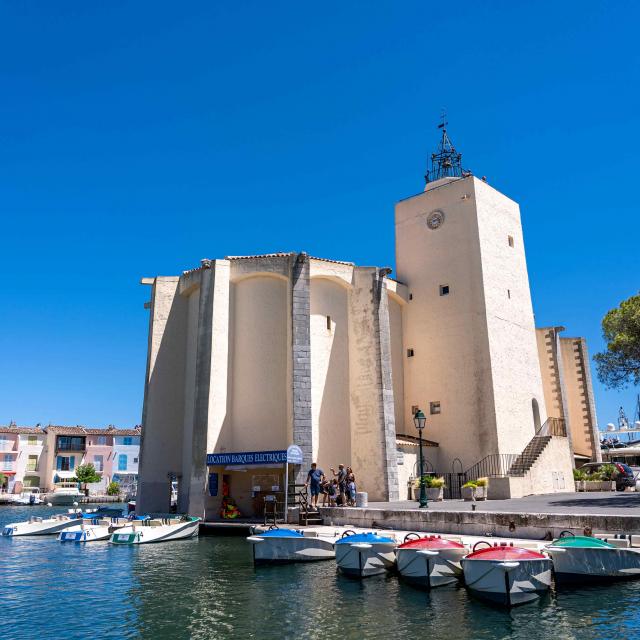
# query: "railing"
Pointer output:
{"type": "Point", "coordinates": [496, 465]}
{"type": "Point", "coordinates": [7, 466]}
{"type": "Point", "coordinates": [553, 427]}
{"type": "Point", "coordinates": [63, 446]}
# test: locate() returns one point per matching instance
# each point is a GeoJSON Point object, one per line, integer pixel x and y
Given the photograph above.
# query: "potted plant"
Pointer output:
{"type": "Point", "coordinates": [608, 473]}
{"type": "Point", "coordinates": [86, 473]}
{"type": "Point", "coordinates": [475, 489]}
{"type": "Point", "coordinates": [593, 482]}
{"type": "Point", "coordinates": [434, 486]}
{"type": "Point", "coordinates": [113, 489]}
{"type": "Point", "coordinates": [579, 477]}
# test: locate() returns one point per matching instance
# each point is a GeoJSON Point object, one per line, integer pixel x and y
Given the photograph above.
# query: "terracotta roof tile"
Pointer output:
{"type": "Point", "coordinates": [21, 430]}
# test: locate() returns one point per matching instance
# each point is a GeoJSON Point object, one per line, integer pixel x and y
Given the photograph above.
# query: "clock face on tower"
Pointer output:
{"type": "Point", "coordinates": [435, 219]}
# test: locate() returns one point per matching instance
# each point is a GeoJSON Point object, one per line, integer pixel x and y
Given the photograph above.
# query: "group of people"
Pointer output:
{"type": "Point", "coordinates": [337, 490]}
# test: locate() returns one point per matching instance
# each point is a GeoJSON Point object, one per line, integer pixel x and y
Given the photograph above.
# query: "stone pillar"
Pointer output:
{"type": "Point", "coordinates": [387, 406]}
{"type": "Point", "coordinates": [373, 453]}
{"type": "Point", "coordinates": [301, 354]}
{"type": "Point", "coordinates": [195, 476]}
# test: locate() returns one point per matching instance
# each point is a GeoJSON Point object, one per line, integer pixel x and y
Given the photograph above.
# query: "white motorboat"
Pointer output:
{"type": "Point", "coordinates": [279, 546]}
{"type": "Point", "coordinates": [431, 561]}
{"type": "Point", "coordinates": [144, 530]}
{"type": "Point", "coordinates": [36, 526]}
{"type": "Point", "coordinates": [64, 493]}
{"type": "Point", "coordinates": [507, 575]}
{"type": "Point", "coordinates": [581, 559]}
{"type": "Point", "coordinates": [93, 527]}
{"type": "Point", "coordinates": [365, 554]}
{"type": "Point", "coordinates": [28, 497]}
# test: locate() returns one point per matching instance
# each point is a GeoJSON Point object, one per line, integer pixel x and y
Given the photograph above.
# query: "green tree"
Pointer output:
{"type": "Point", "coordinates": [619, 365]}
{"type": "Point", "coordinates": [113, 489]}
{"type": "Point", "coordinates": [87, 473]}
{"type": "Point", "coordinates": [2, 479]}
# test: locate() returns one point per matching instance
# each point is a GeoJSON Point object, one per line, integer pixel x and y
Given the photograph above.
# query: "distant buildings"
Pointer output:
{"type": "Point", "coordinates": [40, 457]}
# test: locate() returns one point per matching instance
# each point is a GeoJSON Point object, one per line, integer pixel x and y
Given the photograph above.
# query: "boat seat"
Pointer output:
{"type": "Point", "coordinates": [310, 534]}
{"type": "Point", "coordinates": [155, 523]}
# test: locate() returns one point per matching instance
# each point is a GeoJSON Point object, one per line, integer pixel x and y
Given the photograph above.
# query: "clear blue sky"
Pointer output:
{"type": "Point", "coordinates": [137, 138]}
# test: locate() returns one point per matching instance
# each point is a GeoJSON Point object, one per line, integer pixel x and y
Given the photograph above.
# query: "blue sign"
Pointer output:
{"type": "Point", "coordinates": [213, 484]}
{"type": "Point", "coordinates": [247, 457]}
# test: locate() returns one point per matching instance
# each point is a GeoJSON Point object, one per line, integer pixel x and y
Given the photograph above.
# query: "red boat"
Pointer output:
{"type": "Point", "coordinates": [431, 561]}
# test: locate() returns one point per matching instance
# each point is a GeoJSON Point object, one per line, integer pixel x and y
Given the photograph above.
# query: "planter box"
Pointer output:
{"type": "Point", "coordinates": [608, 485]}
{"type": "Point", "coordinates": [468, 492]}
{"type": "Point", "coordinates": [593, 485]}
{"type": "Point", "coordinates": [580, 485]}
{"type": "Point", "coordinates": [433, 494]}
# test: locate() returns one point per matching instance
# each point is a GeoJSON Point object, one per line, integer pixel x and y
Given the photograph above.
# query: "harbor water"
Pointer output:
{"type": "Point", "coordinates": [209, 588]}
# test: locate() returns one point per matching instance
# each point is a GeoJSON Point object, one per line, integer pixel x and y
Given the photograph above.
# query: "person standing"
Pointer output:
{"type": "Point", "coordinates": [341, 476]}
{"type": "Point", "coordinates": [314, 478]}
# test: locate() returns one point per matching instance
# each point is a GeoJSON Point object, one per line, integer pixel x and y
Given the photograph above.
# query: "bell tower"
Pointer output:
{"type": "Point", "coordinates": [470, 354]}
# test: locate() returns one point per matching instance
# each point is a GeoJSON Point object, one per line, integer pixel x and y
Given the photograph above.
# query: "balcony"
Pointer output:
{"type": "Point", "coordinates": [8, 446]}
{"type": "Point", "coordinates": [71, 444]}
{"type": "Point", "coordinates": [7, 466]}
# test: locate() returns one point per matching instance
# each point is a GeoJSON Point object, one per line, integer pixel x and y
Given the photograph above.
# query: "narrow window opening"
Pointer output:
{"type": "Point", "coordinates": [434, 408]}
{"type": "Point", "coordinates": [328, 323]}
{"type": "Point", "coordinates": [509, 294]}
{"type": "Point", "coordinates": [409, 353]}
{"type": "Point", "coordinates": [444, 289]}
{"type": "Point", "coordinates": [510, 241]}
{"type": "Point", "coordinates": [411, 296]}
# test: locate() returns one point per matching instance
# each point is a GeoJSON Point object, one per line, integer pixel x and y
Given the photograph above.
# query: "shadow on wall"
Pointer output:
{"type": "Point", "coordinates": [161, 447]}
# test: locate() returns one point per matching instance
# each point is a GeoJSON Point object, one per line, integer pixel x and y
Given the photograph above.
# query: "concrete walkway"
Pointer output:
{"type": "Point", "coordinates": [596, 503]}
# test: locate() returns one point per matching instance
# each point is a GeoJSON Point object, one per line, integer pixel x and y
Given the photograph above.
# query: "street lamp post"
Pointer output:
{"type": "Point", "coordinates": [420, 420]}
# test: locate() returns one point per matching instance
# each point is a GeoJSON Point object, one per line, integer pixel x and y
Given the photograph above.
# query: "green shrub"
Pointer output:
{"type": "Point", "coordinates": [609, 472]}
{"type": "Point", "coordinates": [579, 474]}
{"type": "Point", "coordinates": [472, 484]}
{"type": "Point", "coordinates": [431, 482]}
{"type": "Point", "coordinates": [113, 489]}
{"type": "Point", "coordinates": [482, 482]}
{"type": "Point", "coordinates": [596, 476]}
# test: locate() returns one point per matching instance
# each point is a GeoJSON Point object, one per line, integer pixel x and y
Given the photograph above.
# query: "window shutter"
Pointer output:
{"type": "Point", "coordinates": [59, 463]}
{"type": "Point", "coordinates": [72, 463]}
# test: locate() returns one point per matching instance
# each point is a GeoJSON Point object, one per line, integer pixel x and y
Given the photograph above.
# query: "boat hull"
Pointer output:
{"type": "Point", "coordinates": [91, 533]}
{"type": "Point", "coordinates": [358, 562]}
{"type": "Point", "coordinates": [62, 499]}
{"type": "Point", "coordinates": [44, 528]}
{"type": "Point", "coordinates": [162, 533]}
{"type": "Point", "coordinates": [490, 580]}
{"type": "Point", "coordinates": [430, 570]}
{"type": "Point", "coordinates": [283, 550]}
{"type": "Point", "coordinates": [592, 564]}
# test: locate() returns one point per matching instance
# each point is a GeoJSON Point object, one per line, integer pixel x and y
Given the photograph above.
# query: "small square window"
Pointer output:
{"type": "Point", "coordinates": [135, 461]}
{"type": "Point", "coordinates": [434, 408]}
{"type": "Point", "coordinates": [411, 296]}
{"type": "Point", "coordinates": [510, 241]}
{"type": "Point", "coordinates": [409, 353]}
{"type": "Point", "coordinates": [414, 409]}
{"type": "Point", "coordinates": [328, 323]}
{"type": "Point", "coordinates": [444, 289]}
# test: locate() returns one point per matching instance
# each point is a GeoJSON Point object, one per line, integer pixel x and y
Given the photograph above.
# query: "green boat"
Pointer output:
{"type": "Point", "coordinates": [582, 558]}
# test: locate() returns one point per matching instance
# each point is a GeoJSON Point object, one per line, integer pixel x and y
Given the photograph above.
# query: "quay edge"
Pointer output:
{"type": "Point", "coordinates": [508, 524]}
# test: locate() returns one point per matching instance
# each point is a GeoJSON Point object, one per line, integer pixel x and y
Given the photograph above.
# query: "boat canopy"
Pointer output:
{"type": "Point", "coordinates": [505, 553]}
{"type": "Point", "coordinates": [370, 538]}
{"type": "Point", "coordinates": [280, 533]}
{"type": "Point", "coordinates": [431, 542]}
{"type": "Point", "coordinates": [581, 542]}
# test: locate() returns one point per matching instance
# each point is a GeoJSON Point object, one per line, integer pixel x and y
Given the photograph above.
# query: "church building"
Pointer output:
{"type": "Point", "coordinates": [248, 355]}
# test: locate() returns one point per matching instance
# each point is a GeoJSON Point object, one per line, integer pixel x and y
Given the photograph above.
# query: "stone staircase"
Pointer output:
{"type": "Point", "coordinates": [528, 457]}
